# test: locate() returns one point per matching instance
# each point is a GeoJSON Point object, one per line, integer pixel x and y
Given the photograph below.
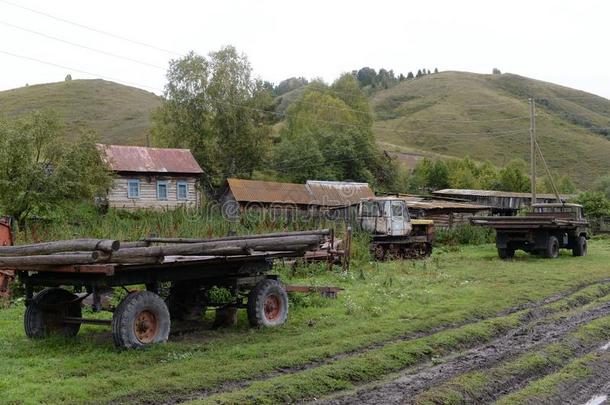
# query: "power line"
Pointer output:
{"type": "Point", "coordinates": [76, 24]}
{"type": "Point", "coordinates": [76, 70]}
{"type": "Point", "coordinates": [114, 55]}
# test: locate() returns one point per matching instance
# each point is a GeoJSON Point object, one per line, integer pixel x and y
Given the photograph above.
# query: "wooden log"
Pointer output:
{"type": "Point", "coordinates": [222, 248]}
{"type": "Point", "coordinates": [61, 246]}
{"type": "Point", "coordinates": [320, 232]}
{"type": "Point", "coordinates": [52, 260]}
{"type": "Point", "coordinates": [135, 244]}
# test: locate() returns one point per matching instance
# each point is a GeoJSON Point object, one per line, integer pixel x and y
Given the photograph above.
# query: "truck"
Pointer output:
{"type": "Point", "coordinates": [395, 235]}
{"type": "Point", "coordinates": [59, 276]}
{"type": "Point", "coordinates": [543, 230]}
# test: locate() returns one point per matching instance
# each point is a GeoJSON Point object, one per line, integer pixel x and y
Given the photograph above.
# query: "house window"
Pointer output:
{"type": "Point", "coordinates": [162, 190]}
{"type": "Point", "coordinates": [133, 189]}
{"type": "Point", "coordinates": [182, 190]}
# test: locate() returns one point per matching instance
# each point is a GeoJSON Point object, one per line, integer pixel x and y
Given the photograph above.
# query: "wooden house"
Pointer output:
{"type": "Point", "coordinates": [151, 178]}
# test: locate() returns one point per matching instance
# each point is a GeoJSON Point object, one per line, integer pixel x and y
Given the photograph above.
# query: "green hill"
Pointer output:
{"type": "Point", "coordinates": [487, 118]}
{"type": "Point", "coordinates": [120, 114]}
{"type": "Point", "coordinates": [449, 114]}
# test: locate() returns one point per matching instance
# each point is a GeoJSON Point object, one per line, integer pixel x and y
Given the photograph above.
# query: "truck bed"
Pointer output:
{"type": "Point", "coordinates": [527, 222]}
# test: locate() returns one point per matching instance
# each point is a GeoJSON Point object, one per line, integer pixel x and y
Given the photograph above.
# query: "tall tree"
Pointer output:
{"type": "Point", "coordinates": [40, 167]}
{"type": "Point", "coordinates": [214, 107]}
{"type": "Point", "coordinates": [328, 136]}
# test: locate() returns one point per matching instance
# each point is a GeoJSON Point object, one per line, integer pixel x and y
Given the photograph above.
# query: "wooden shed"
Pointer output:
{"type": "Point", "coordinates": [152, 178]}
{"type": "Point", "coordinates": [314, 198]}
{"type": "Point", "coordinates": [501, 202]}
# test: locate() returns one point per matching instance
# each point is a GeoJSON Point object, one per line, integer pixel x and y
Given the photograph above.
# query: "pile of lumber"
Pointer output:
{"type": "Point", "coordinates": [154, 250]}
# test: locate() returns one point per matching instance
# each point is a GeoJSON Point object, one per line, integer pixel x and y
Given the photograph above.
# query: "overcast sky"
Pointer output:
{"type": "Point", "coordinates": [557, 41]}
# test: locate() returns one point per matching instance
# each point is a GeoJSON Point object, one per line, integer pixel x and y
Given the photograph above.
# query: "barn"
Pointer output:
{"type": "Point", "coordinates": [313, 199]}
{"type": "Point", "coordinates": [151, 178]}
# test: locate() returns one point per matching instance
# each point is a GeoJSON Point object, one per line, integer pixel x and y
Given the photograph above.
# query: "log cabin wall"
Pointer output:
{"type": "Point", "coordinates": [118, 194]}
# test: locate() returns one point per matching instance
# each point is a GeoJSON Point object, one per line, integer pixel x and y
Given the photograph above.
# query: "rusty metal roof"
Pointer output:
{"type": "Point", "coordinates": [338, 193]}
{"type": "Point", "coordinates": [269, 192]}
{"type": "Point", "coordinates": [493, 193]}
{"type": "Point", "coordinates": [320, 193]}
{"type": "Point", "coordinates": [122, 158]}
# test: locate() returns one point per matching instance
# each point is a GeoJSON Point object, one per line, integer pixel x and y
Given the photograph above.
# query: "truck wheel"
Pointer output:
{"type": "Point", "coordinates": [506, 253]}
{"type": "Point", "coordinates": [552, 247]}
{"type": "Point", "coordinates": [580, 249]}
{"type": "Point", "coordinates": [141, 319]}
{"type": "Point", "coordinates": [44, 315]}
{"type": "Point", "coordinates": [268, 304]}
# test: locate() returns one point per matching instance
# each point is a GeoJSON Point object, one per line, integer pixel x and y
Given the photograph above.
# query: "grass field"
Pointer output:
{"type": "Point", "coordinates": [391, 316]}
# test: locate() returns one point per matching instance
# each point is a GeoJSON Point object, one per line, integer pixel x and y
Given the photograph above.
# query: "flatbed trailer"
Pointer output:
{"type": "Point", "coordinates": [543, 231]}
{"type": "Point", "coordinates": [143, 317]}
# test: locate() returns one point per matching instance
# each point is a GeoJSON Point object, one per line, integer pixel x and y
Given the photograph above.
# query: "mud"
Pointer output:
{"type": "Point", "coordinates": [536, 307]}
{"type": "Point", "coordinates": [528, 337]}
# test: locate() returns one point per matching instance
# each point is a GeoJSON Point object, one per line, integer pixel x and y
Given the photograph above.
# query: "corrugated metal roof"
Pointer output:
{"type": "Point", "coordinates": [122, 158]}
{"type": "Point", "coordinates": [338, 193]}
{"type": "Point", "coordinates": [492, 193]}
{"type": "Point", "coordinates": [431, 203]}
{"type": "Point", "coordinates": [321, 193]}
{"type": "Point", "coordinates": [269, 192]}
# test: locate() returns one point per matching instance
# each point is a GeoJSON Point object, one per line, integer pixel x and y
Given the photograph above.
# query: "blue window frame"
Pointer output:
{"type": "Point", "coordinates": [133, 188]}
{"type": "Point", "coordinates": [182, 190]}
{"type": "Point", "coordinates": [162, 190]}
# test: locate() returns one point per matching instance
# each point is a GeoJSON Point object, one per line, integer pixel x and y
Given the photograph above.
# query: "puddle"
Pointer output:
{"type": "Point", "coordinates": [598, 399]}
{"type": "Point", "coordinates": [605, 347]}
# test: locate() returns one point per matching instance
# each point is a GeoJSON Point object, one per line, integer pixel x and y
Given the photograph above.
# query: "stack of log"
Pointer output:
{"type": "Point", "coordinates": [154, 250]}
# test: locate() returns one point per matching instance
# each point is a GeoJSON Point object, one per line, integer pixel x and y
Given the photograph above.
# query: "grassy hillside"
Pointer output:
{"type": "Point", "coordinates": [120, 114]}
{"type": "Point", "coordinates": [487, 117]}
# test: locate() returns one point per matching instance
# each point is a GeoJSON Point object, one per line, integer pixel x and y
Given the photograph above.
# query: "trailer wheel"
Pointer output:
{"type": "Point", "coordinates": [580, 249]}
{"type": "Point", "coordinates": [506, 253]}
{"type": "Point", "coordinates": [379, 253]}
{"type": "Point", "coordinates": [44, 315]}
{"type": "Point", "coordinates": [552, 247]}
{"type": "Point", "coordinates": [141, 319]}
{"type": "Point", "coordinates": [268, 304]}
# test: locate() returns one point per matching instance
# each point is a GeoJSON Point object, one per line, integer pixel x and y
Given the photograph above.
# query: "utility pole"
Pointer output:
{"type": "Point", "coordinates": [533, 147]}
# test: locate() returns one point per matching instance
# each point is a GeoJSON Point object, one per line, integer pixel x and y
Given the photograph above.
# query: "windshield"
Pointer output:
{"type": "Point", "coordinates": [370, 209]}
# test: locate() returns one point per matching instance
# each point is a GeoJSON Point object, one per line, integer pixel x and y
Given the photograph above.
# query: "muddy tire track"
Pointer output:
{"type": "Point", "coordinates": [414, 381]}
{"type": "Point", "coordinates": [536, 307]}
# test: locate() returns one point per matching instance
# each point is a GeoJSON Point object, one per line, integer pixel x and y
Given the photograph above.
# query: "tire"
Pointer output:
{"type": "Point", "coordinates": [506, 253]}
{"type": "Point", "coordinates": [268, 304]}
{"type": "Point", "coordinates": [140, 320]}
{"type": "Point", "coordinates": [43, 316]}
{"type": "Point", "coordinates": [185, 302]}
{"type": "Point", "coordinates": [580, 249]}
{"type": "Point", "coordinates": [552, 248]}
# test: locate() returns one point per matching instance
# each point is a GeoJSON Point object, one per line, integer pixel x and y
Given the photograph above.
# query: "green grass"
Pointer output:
{"type": "Point", "coordinates": [381, 302]}
{"type": "Point", "coordinates": [120, 114]}
{"type": "Point", "coordinates": [427, 113]}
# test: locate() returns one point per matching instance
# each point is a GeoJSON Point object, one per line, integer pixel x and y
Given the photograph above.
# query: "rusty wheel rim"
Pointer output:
{"type": "Point", "coordinates": [146, 326]}
{"type": "Point", "coordinates": [273, 307]}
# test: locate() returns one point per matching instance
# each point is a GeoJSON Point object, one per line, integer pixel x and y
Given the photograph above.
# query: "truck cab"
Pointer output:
{"type": "Point", "coordinates": [558, 210]}
{"type": "Point", "coordinates": [394, 233]}
{"type": "Point", "coordinates": [384, 216]}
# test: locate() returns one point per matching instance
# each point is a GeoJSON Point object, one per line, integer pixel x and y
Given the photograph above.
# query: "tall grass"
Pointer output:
{"type": "Point", "coordinates": [84, 220]}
